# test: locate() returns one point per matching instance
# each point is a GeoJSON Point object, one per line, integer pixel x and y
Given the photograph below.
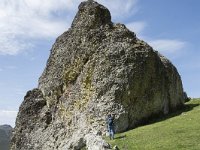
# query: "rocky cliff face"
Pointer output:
{"type": "Point", "coordinates": [5, 136]}
{"type": "Point", "coordinates": [94, 69]}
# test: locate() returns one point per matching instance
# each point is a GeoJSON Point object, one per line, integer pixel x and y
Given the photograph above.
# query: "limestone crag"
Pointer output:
{"type": "Point", "coordinates": [94, 69]}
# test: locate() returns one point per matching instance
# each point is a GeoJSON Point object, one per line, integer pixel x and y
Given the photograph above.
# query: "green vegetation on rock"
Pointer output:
{"type": "Point", "coordinates": [73, 71]}
{"type": "Point", "coordinates": [177, 131]}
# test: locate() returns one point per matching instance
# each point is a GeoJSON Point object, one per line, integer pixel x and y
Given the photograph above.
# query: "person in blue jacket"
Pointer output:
{"type": "Point", "coordinates": [110, 126]}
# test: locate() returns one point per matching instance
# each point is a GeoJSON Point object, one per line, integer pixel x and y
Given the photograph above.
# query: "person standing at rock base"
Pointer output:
{"type": "Point", "coordinates": [110, 126]}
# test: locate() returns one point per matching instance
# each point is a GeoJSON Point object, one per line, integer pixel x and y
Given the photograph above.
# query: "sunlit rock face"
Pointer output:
{"type": "Point", "coordinates": [95, 68]}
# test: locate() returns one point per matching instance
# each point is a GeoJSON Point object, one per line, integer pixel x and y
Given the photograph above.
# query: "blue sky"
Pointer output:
{"type": "Point", "coordinates": [29, 28]}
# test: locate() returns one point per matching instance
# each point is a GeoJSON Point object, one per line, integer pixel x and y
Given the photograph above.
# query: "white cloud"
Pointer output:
{"type": "Point", "coordinates": [10, 45]}
{"type": "Point", "coordinates": [23, 21]}
{"type": "Point", "coordinates": [167, 45]}
{"type": "Point", "coordinates": [137, 27]}
{"type": "Point", "coordinates": [8, 117]}
{"type": "Point", "coordinates": [121, 9]}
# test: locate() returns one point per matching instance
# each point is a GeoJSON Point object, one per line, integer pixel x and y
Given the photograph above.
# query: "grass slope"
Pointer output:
{"type": "Point", "coordinates": [177, 131]}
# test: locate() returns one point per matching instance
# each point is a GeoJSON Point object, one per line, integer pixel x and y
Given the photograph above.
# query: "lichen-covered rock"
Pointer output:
{"type": "Point", "coordinates": [96, 68]}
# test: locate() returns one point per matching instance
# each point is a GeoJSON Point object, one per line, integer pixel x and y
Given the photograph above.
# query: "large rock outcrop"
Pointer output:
{"type": "Point", "coordinates": [94, 69]}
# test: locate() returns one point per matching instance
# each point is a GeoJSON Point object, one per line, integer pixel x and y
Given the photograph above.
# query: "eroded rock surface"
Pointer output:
{"type": "Point", "coordinates": [94, 69]}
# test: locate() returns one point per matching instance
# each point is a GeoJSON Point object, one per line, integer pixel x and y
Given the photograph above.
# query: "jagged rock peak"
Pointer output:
{"type": "Point", "coordinates": [91, 15]}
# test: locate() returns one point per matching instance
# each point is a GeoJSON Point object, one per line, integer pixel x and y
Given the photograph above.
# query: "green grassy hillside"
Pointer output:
{"type": "Point", "coordinates": [177, 131]}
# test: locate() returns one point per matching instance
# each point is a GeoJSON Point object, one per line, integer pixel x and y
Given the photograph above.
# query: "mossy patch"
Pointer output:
{"type": "Point", "coordinates": [71, 72]}
{"type": "Point", "coordinates": [68, 112]}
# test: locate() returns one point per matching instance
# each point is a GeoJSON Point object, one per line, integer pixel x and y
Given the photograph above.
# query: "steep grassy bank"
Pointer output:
{"type": "Point", "coordinates": [180, 130]}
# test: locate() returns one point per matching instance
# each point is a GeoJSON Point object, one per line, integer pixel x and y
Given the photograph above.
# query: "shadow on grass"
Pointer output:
{"type": "Point", "coordinates": [173, 113]}
{"type": "Point", "coordinates": [161, 117]}
{"type": "Point", "coordinates": [120, 137]}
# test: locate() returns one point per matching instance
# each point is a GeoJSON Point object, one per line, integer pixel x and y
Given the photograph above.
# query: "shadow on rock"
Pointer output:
{"type": "Point", "coordinates": [174, 113]}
